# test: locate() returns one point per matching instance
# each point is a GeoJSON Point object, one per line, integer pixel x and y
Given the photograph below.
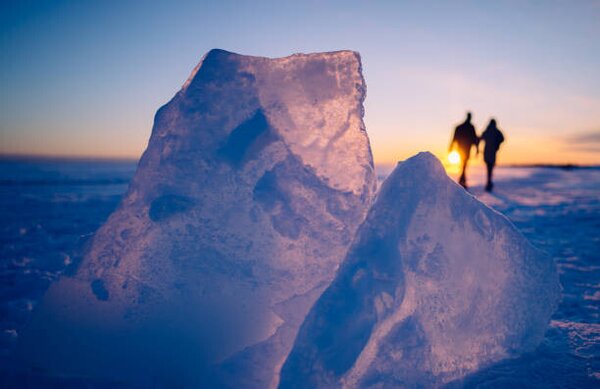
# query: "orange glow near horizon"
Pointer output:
{"type": "Point", "coordinates": [522, 146]}
{"type": "Point", "coordinates": [517, 150]}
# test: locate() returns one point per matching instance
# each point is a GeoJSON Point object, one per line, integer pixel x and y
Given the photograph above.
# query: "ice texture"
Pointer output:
{"type": "Point", "coordinates": [256, 176]}
{"type": "Point", "coordinates": [435, 286]}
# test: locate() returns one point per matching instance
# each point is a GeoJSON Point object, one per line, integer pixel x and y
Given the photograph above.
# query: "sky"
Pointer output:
{"type": "Point", "coordinates": [84, 78]}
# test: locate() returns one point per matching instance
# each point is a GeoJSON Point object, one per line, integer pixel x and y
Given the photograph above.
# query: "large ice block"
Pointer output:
{"type": "Point", "coordinates": [435, 286]}
{"type": "Point", "coordinates": [255, 179]}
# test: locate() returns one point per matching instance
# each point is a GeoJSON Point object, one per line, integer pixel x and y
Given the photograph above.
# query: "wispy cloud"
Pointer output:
{"type": "Point", "coordinates": [588, 141]}
{"type": "Point", "coordinates": [585, 137]}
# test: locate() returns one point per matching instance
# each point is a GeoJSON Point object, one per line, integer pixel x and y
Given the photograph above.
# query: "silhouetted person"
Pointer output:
{"type": "Point", "coordinates": [465, 137]}
{"type": "Point", "coordinates": [492, 138]}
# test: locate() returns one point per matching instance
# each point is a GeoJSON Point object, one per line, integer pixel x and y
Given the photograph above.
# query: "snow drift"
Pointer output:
{"type": "Point", "coordinates": [435, 286]}
{"type": "Point", "coordinates": [255, 178]}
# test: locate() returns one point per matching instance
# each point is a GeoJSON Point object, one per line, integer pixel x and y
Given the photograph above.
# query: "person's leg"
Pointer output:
{"type": "Point", "coordinates": [463, 176]}
{"type": "Point", "coordinates": [490, 168]}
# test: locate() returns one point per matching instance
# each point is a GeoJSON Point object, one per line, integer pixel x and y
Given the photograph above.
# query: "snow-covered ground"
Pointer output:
{"type": "Point", "coordinates": [50, 208]}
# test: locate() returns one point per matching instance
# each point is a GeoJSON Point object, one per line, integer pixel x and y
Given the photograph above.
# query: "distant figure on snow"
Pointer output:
{"type": "Point", "coordinates": [492, 137]}
{"type": "Point", "coordinates": [465, 137]}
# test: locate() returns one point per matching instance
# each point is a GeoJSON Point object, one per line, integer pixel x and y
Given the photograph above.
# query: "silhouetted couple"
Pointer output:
{"type": "Point", "coordinates": [465, 137]}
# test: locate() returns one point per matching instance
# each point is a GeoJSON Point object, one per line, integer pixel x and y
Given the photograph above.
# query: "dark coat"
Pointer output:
{"type": "Point", "coordinates": [465, 137]}
{"type": "Point", "coordinates": [492, 137]}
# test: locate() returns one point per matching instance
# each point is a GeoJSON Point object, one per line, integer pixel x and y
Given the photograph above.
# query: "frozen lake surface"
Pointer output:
{"type": "Point", "coordinates": [50, 208]}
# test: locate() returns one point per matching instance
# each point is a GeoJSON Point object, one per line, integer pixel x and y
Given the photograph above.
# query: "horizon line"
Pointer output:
{"type": "Point", "coordinates": [66, 157]}
{"type": "Point", "coordinates": [105, 158]}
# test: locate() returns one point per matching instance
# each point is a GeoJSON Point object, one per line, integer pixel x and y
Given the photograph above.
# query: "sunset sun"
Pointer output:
{"type": "Point", "coordinates": [454, 157]}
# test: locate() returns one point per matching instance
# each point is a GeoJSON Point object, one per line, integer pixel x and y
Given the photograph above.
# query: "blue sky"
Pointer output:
{"type": "Point", "coordinates": [85, 78]}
